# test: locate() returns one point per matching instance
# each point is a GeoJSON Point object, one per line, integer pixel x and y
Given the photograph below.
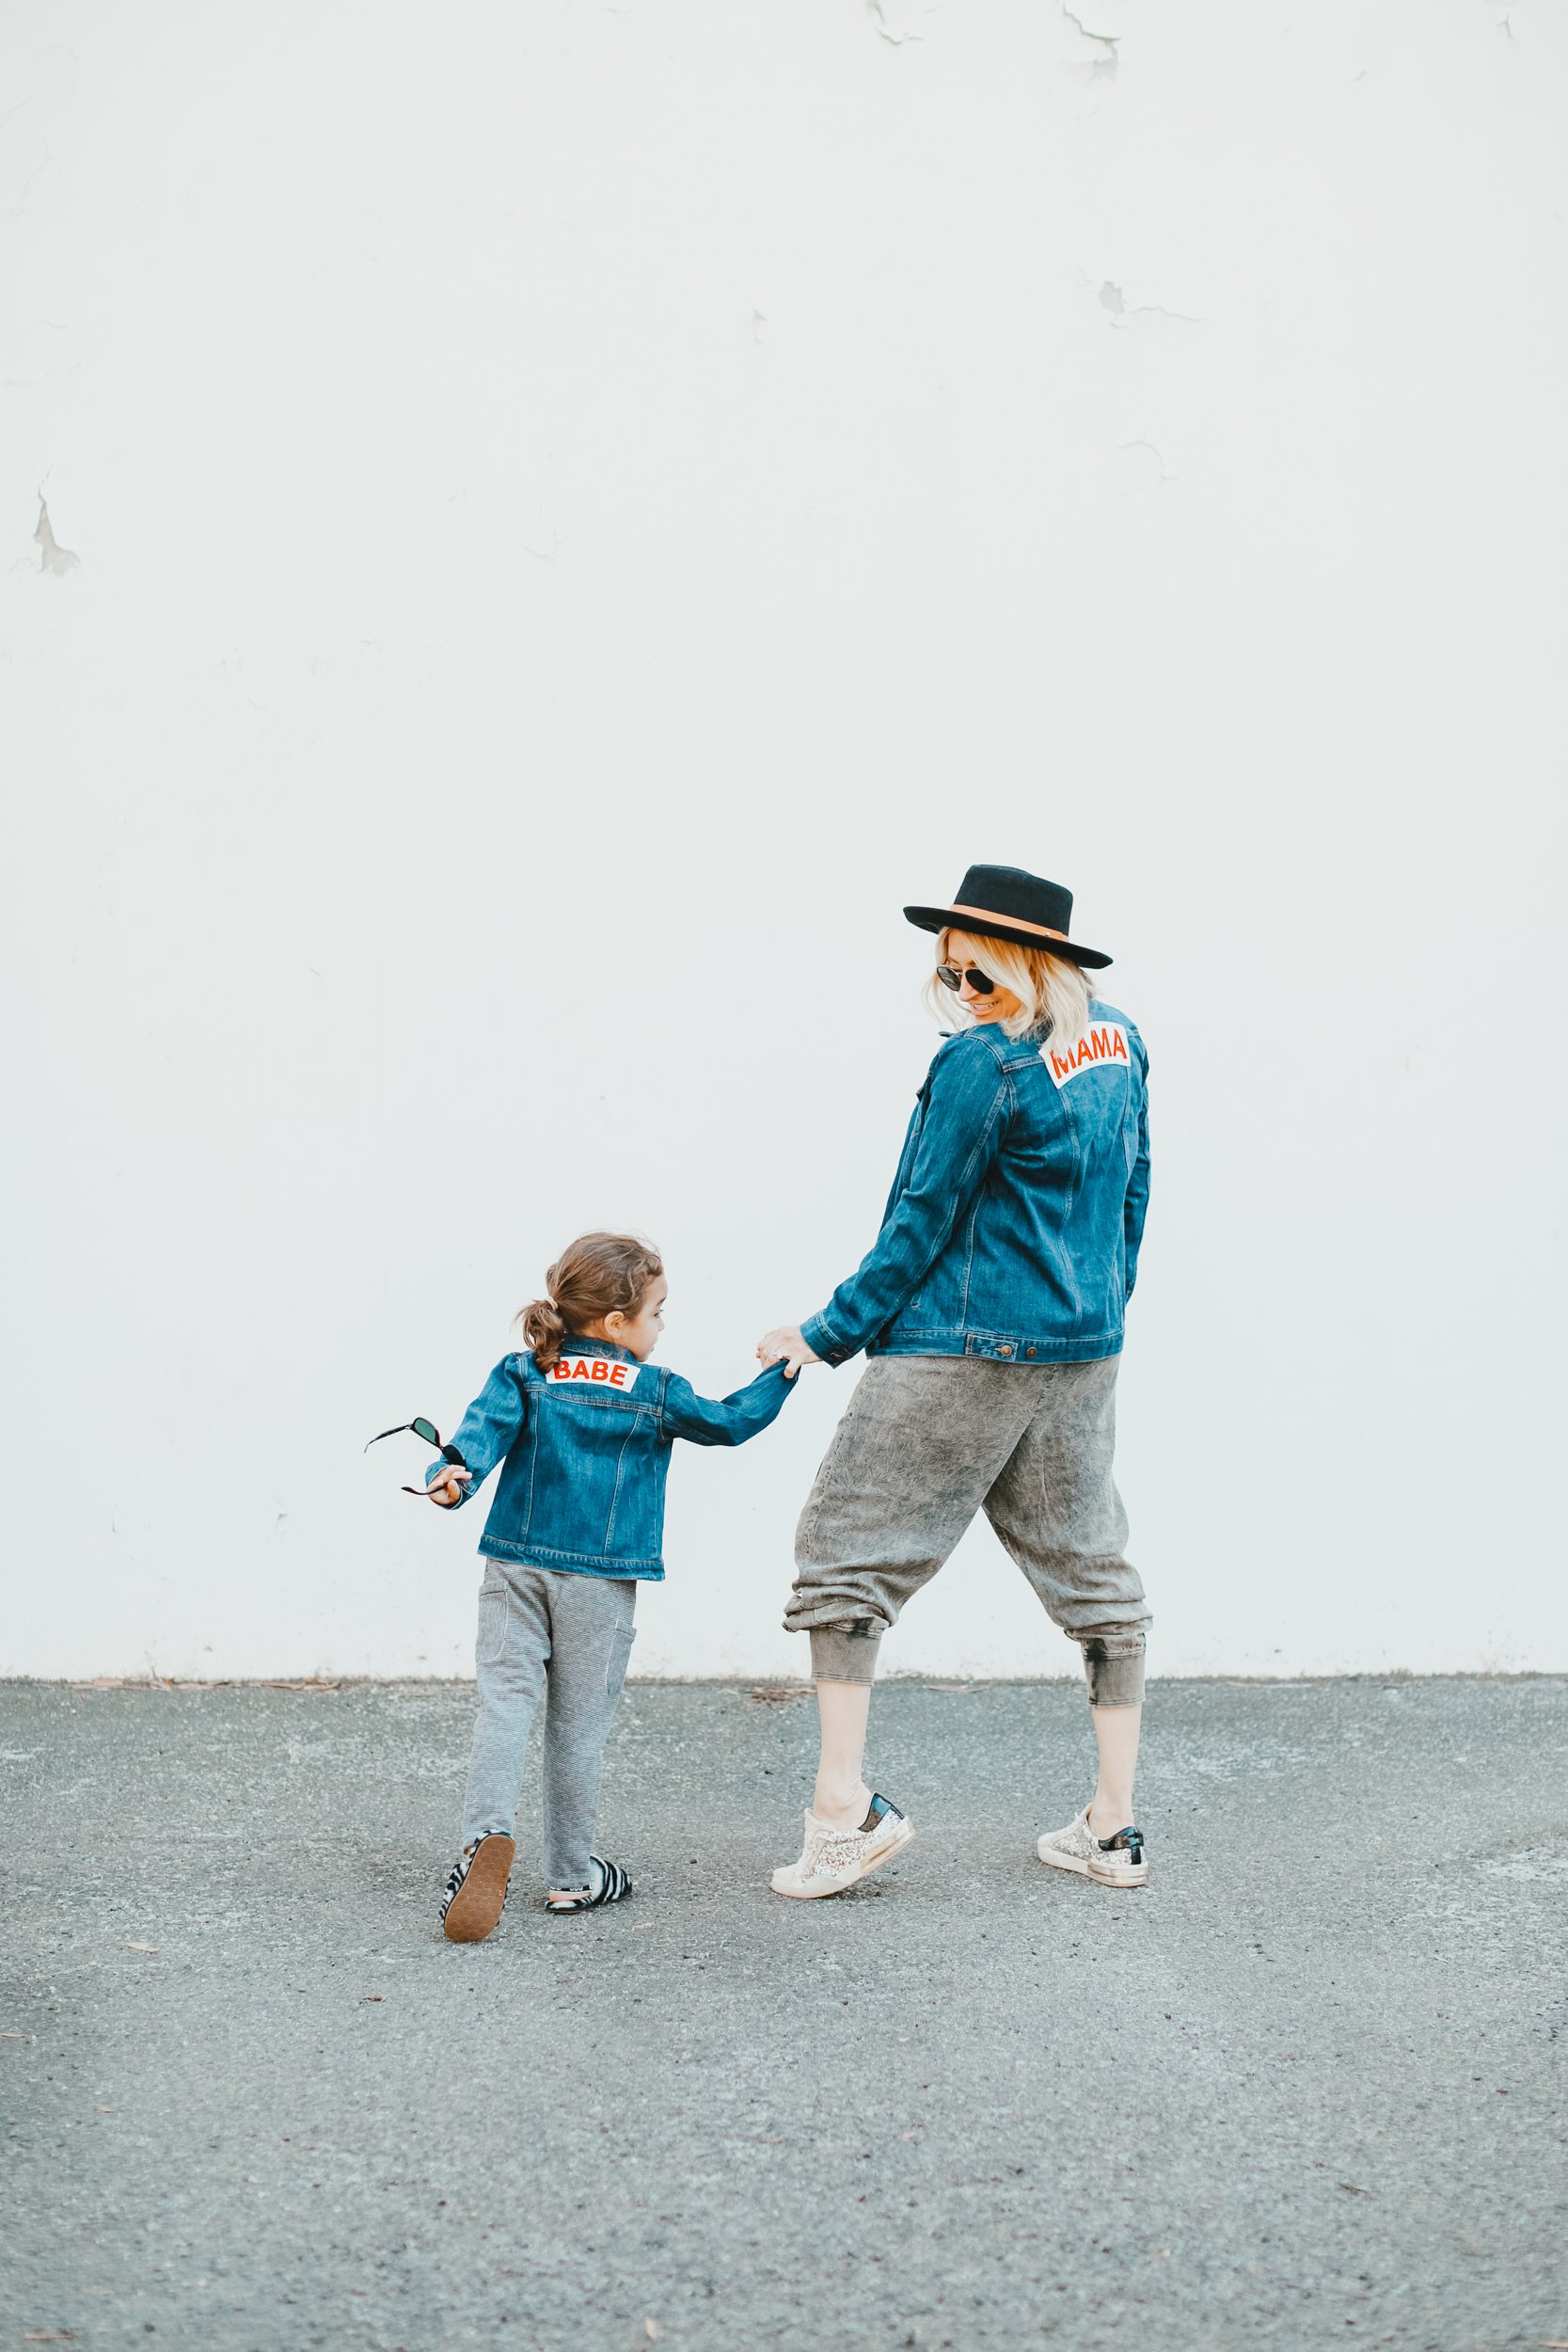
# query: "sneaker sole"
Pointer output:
{"type": "Point", "coordinates": [1133, 1878]}
{"type": "Point", "coordinates": [884, 1854]}
{"type": "Point", "coordinates": [476, 1907]}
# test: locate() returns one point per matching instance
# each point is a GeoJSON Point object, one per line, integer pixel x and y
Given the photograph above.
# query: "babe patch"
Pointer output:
{"type": "Point", "coordinates": [1095, 1050]}
{"type": "Point", "coordinates": [599, 1371]}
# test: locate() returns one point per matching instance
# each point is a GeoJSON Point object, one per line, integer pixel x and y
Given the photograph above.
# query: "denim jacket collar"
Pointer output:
{"type": "Point", "coordinates": [1005, 1047]}
{"type": "Point", "coordinates": [574, 1344]}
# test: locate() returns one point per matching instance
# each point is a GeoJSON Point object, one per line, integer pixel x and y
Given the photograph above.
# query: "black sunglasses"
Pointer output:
{"type": "Point", "coordinates": [950, 976]}
{"type": "Point", "coordinates": [427, 1431]}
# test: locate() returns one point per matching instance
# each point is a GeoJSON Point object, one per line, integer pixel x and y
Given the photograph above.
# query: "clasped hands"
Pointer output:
{"type": "Point", "coordinates": [786, 1346]}
{"type": "Point", "coordinates": [783, 1346]}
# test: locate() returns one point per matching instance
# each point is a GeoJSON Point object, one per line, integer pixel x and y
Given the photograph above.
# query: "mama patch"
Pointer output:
{"type": "Point", "coordinates": [1101, 1047]}
{"type": "Point", "coordinates": [600, 1372]}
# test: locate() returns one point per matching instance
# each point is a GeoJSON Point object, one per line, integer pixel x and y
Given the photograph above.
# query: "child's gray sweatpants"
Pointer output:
{"type": "Point", "coordinates": [539, 1629]}
{"type": "Point", "coordinates": [926, 1443]}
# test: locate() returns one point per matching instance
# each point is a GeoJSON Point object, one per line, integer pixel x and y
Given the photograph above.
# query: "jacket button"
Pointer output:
{"type": "Point", "coordinates": [1003, 1351]}
{"type": "Point", "coordinates": [1031, 1351]}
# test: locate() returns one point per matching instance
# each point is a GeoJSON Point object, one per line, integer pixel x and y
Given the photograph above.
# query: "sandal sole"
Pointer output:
{"type": "Point", "coordinates": [476, 1908]}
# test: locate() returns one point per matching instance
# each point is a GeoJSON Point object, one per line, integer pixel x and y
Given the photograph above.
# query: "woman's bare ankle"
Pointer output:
{"type": "Point", "coordinates": [840, 1807]}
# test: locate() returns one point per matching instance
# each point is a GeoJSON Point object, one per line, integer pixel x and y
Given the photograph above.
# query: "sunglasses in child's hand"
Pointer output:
{"type": "Point", "coordinates": [427, 1431]}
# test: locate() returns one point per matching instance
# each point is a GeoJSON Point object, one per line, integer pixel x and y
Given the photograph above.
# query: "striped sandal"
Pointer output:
{"type": "Point", "coordinates": [610, 1884]}
{"type": "Point", "coordinates": [476, 1890]}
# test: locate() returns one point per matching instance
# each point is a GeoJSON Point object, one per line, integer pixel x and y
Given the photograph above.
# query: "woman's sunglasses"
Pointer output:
{"type": "Point", "coordinates": [952, 977]}
{"type": "Point", "coordinates": [430, 1435]}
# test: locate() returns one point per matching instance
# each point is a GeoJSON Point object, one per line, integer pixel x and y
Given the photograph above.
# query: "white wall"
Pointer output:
{"type": "Point", "coordinates": [582, 511]}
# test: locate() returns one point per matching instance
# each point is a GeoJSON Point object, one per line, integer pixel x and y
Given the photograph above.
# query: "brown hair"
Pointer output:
{"type": "Point", "coordinates": [598, 1275]}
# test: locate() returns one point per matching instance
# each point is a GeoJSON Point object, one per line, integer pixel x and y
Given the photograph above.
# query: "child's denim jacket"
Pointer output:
{"type": "Point", "coordinates": [584, 1449]}
{"type": "Point", "coordinates": [1013, 1226]}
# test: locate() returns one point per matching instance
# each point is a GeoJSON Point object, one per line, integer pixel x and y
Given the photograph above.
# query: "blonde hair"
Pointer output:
{"type": "Point", "coordinates": [598, 1275]}
{"type": "Point", "coordinates": [1051, 992]}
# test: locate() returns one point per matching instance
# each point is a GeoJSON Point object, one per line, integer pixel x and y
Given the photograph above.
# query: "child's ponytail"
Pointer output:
{"type": "Point", "coordinates": [601, 1274]}
{"type": "Point", "coordinates": [544, 1330]}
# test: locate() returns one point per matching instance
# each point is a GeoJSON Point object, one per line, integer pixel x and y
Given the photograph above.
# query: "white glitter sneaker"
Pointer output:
{"type": "Point", "coordinates": [1117, 1861]}
{"type": "Point", "coordinates": [833, 1859]}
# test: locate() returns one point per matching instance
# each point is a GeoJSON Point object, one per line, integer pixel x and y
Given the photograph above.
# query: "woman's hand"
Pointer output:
{"type": "Point", "coordinates": [788, 1347]}
{"type": "Point", "coordinates": [445, 1488]}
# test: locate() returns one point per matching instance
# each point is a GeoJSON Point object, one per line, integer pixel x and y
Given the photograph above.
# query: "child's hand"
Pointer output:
{"type": "Point", "coordinates": [786, 1346]}
{"type": "Point", "coordinates": [447, 1485]}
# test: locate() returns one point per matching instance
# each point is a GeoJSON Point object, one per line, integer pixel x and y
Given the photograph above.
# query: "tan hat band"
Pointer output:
{"type": "Point", "coordinates": [1041, 930]}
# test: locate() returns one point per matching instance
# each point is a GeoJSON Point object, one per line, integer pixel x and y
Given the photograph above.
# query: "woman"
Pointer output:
{"type": "Point", "coordinates": [990, 1309]}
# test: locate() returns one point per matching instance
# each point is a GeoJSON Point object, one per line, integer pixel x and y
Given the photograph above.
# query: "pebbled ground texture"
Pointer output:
{"type": "Point", "coordinates": [1306, 2089]}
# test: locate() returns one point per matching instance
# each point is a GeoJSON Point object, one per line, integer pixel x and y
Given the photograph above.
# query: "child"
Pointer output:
{"type": "Point", "coordinates": [583, 1427]}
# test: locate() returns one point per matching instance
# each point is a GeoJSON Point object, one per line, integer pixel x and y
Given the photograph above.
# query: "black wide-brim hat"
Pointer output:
{"type": "Point", "coordinates": [1005, 903]}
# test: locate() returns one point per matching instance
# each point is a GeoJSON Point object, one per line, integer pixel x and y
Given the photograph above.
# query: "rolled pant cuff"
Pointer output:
{"type": "Point", "coordinates": [845, 1653]}
{"type": "Point", "coordinates": [1117, 1680]}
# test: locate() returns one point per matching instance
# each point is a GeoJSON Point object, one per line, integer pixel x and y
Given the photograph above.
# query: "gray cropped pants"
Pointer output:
{"type": "Point", "coordinates": [929, 1440]}
{"type": "Point", "coordinates": [540, 1630]}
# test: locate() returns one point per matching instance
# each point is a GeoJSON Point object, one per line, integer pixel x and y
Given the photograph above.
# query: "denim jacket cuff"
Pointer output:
{"type": "Point", "coordinates": [823, 1341]}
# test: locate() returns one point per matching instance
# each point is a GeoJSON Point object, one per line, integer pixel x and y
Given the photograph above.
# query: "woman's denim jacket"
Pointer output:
{"type": "Point", "coordinates": [585, 1448]}
{"type": "Point", "coordinates": [1013, 1225]}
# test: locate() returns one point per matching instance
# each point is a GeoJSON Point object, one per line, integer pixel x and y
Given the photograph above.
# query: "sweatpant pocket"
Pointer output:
{"type": "Point", "coordinates": [620, 1652]}
{"type": "Point", "coordinates": [494, 1612]}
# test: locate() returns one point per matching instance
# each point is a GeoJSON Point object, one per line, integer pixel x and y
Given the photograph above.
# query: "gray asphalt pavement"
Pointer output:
{"type": "Point", "coordinates": [1306, 2089]}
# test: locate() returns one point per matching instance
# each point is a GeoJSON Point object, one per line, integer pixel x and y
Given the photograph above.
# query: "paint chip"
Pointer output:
{"type": "Point", "coordinates": [1105, 64]}
{"type": "Point", "coordinates": [1098, 68]}
{"type": "Point", "coordinates": [1113, 300]}
{"type": "Point", "coordinates": [1164, 474]}
{"type": "Point", "coordinates": [54, 558]}
{"type": "Point", "coordinates": [898, 21]}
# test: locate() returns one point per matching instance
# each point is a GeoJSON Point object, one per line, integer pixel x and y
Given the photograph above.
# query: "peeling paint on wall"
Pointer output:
{"type": "Point", "coordinates": [1165, 474]}
{"type": "Point", "coordinates": [1101, 65]}
{"type": "Point", "coordinates": [54, 558]}
{"type": "Point", "coordinates": [1114, 301]}
{"type": "Point", "coordinates": [898, 21]}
